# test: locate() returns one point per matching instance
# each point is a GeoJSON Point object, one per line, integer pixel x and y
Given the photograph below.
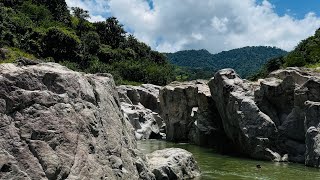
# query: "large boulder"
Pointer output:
{"type": "Point", "coordinates": [59, 124]}
{"type": "Point", "coordinates": [189, 113]}
{"type": "Point", "coordinates": [251, 130]}
{"type": "Point", "coordinates": [172, 164]}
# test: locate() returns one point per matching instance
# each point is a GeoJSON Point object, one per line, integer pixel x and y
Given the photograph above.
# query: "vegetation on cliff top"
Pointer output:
{"type": "Point", "coordinates": [306, 53]}
{"type": "Point", "coordinates": [45, 29]}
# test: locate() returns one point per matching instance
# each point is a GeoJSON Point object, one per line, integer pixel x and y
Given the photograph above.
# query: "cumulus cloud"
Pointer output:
{"type": "Point", "coordinates": [215, 25]}
{"type": "Point", "coordinates": [98, 9]}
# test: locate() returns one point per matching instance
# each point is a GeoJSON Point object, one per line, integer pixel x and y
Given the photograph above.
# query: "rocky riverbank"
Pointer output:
{"type": "Point", "coordinates": [59, 124]}
{"type": "Point", "coordinates": [275, 119]}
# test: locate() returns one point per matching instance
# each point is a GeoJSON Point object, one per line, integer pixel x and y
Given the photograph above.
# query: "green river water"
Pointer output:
{"type": "Point", "coordinates": [216, 166]}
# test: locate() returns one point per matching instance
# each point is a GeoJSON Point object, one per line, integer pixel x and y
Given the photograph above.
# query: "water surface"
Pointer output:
{"type": "Point", "coordinates": [216, 166]}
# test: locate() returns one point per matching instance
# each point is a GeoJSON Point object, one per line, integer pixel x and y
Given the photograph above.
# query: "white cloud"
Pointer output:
{"type": "Point", "coordinates": [215, 25]}
{"type": "Point", "coordinates": [97, 8]}
{"type": "Point", "coordinates": [219, 24]}
{"type": "Point", "coordinates": [97, 18]}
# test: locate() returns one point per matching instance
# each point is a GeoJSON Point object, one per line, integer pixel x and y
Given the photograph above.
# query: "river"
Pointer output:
{"type": "Point", "coordinates": [216, 166]}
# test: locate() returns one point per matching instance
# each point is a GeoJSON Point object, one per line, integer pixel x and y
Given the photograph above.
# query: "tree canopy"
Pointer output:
{"type": "Point", "coordinates": [47, 30]}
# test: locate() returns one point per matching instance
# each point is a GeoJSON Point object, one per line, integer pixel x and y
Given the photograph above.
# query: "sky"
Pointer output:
{"type": "Point", "coordinates": [215, 25]}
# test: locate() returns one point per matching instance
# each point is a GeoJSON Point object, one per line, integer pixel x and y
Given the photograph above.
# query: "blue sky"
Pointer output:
{"type": "Point", "coordinates": [296, 8]}
{"type": "Point", "coordinates": [215, 25]}
{"type": "Point", "coordinates": [150, 2]}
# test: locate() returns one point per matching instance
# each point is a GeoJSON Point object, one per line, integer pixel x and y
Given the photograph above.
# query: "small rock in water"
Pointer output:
{"type": "Point", "coordinates": [173, 163]}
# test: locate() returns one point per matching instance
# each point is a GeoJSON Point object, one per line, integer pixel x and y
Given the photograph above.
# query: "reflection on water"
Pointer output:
{"type": "Point", "coordinates": [215, 166]}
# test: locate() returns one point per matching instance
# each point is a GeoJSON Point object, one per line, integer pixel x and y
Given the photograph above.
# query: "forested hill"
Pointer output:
{"type": "Point", "coordinates": [306, 53]}
{"type": "Point", "coordinates": [51, 31]}
{"type": "Point", "coordinates": [246, 61]}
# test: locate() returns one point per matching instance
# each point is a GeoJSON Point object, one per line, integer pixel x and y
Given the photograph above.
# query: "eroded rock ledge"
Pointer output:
{"type": "Point", "coordinates": [59, 124]}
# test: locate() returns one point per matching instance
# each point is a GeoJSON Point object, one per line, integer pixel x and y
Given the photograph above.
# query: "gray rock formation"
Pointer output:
{"type": "Point", "coordinates": [249, 129]}
{"type": "Point", "coordinates": [138, 104]}
{"type": "Point", "coordinates": [276, 118]}
{"type": "Point", "coordinates": [173, 163]}
{"type": "Point", "coordinates": [146, 94]}
{"type": "Point", "coordinates": [294, 127]}
{"type": "Point", "coordinates": [312, 126]}
{"type": "Point", "coordinates": [189, 113]}
{"type": "Point", "coordinates": [59, 124]}
{"type": "Point", "coordinates": [147, 124]}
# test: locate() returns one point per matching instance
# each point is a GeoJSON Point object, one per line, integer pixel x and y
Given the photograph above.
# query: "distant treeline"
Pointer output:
{"type": "Point", "coordinates": [246, 61]}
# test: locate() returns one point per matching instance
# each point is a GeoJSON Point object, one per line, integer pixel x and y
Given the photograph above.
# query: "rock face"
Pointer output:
{"type": "Point", "coordinates": [250, 129]}
{"type": "Point", "coordinates": [190, 114]}
{"type": "Point", "coordinates": [59, 124]}
{"type": "Point", "coordinates": [276, 118]}
{"type": "Point", "coordinates": [147, 124]}
{"type": "Point", "coordinates": [146, 95]}
{"type": "Point", "coordinates": [173, 163]}
{"type": "Point", "coordinates": [140, 105]}
{"type": "Point", "coordinates": [299, 120]}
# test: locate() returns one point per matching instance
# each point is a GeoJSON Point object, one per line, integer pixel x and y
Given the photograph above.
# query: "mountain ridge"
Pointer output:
{"type": "Point", "coordinates": [246, 60]}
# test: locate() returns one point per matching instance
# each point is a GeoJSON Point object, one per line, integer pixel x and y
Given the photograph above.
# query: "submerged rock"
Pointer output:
{"type": "Point", "coordinates": [173, 163]}
{"type": "Point", "coordinates": [59, 124]}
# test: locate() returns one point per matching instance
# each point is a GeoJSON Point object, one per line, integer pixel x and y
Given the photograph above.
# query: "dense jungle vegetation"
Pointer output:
{"type": "Point", "coordinates": [48, 29]}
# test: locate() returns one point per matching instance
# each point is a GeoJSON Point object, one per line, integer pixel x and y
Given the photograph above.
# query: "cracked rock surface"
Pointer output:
{"type": "Point", "coordinates": [140, 105]}
{"type": "Point", "coordinates": [59, 124]}
{"type": "Point", "coordinates": [173, 163]}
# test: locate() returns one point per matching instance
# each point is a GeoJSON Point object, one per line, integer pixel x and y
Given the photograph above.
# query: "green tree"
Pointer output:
{"type": "Point", "coordinates": [91, 43]}
{"type": "Point", "coordinates": [61, 44]}
{"type": "Point", "coordinates": [295, 59]}
{"type": "Point", "coordinates": [58, 9]}
{"type": "Point", "coordinates": [81, 23]}
{"type": "Point", "coordinates": [37, 13]}
{"type": "Point", "coordinates": [80, 13]}
{"type": "Point", "coordinates": [11, 3]}
{"type": "Point", "coordinates": [111, 32]}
